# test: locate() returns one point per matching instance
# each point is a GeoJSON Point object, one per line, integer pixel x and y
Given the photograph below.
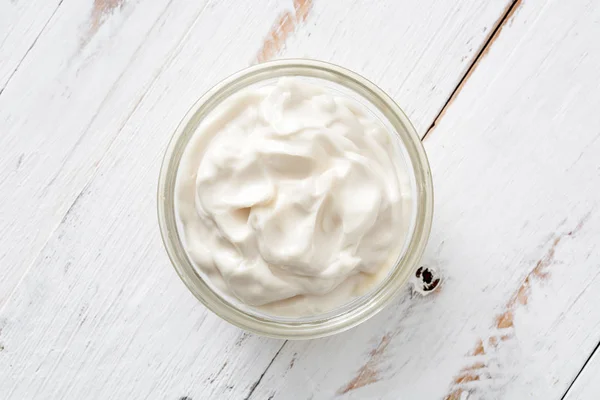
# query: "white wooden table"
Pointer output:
{"type": "Point", "coordinates": [506, 95]}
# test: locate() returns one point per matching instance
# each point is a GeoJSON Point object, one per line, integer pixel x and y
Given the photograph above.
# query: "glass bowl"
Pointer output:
{"type": "Point", "coordinates": [358, 309]}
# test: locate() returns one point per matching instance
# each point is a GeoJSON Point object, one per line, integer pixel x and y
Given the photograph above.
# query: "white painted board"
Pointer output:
{"type": "Point", "coordinates": [587, 385]}
{"type": "Point", "coordinates": [95, 311]}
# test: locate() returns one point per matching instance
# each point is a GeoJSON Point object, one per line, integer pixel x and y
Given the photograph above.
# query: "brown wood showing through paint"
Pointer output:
{"type": "Point", "coordinates": [282, 29]}
{"type": "Point", "coordinates": [369, 373]}
{"type": "Point", "coordinates": [100, 11]}
{"type": "Point", "coordinates": [504, 322]}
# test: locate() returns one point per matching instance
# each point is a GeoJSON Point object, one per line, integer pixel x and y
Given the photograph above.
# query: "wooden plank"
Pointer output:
{"type": "Point", "coordinates": [86, 290]}
{"type": "Point", "coordinates": [99, 311]}
{"type": "Point", "coordinates": [587, 385]}
{"type": "Point", "coordinates": [50, 110]}
{"type": "Point", "coordinates": [70, 99]}
{"type": "Point", "coordinates": [517, 180]}
{"type": "Point", "coordinates": [21, 23]}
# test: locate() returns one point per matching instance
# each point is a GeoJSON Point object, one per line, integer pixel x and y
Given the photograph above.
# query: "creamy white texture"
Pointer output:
{"type": "Point", "coordinates": [289, 198]}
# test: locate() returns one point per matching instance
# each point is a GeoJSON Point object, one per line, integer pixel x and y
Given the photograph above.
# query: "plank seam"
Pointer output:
{"type": "Point", "coordinates": [564, 396]}
{"type": "Point", "coordinates": [30, 47]}
{"type": "Point", "coordinates": [489, 41]}
{"type": "Point", "coordinates": [255, 384]}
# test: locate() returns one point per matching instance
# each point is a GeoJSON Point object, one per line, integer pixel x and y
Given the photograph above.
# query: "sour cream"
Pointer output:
{"type": "Point", "coordinates": [290, 199]}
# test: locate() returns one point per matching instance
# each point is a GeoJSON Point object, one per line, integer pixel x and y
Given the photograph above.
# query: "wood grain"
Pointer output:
{"type": "Point", "coordinates": [21, 24]}
{"type": "Point", "coordinates": [504, 322]}
{"type": "Point", "coordinates": [96, 286]}
{"type": "Point", "coordinates": [62, 99]}
{"type": "Point", "coordinates": [90, 307]}
{"type": "Point", "coordinates": [514, 161]}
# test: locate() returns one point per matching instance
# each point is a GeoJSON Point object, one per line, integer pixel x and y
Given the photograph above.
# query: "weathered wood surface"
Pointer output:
{"type": "Point", "coordinates": [89, 305]}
